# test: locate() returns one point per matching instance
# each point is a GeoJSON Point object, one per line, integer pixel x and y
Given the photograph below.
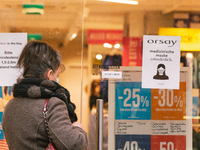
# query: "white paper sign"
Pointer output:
{"type": "Point", "coordinates": [150, 127]}
{"type": "Point", "coordinates": [11, 45]}
{"type": "Point", "coordinates": [161, 62]}
{"type": "Point", "coordinates": [112, 74]}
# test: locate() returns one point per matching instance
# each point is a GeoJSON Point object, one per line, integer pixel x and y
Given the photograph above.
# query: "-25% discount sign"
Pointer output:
{"type": "Point", "coordinates": [131, 101]}
{"type": "Point", "coordinates": [169, 104]}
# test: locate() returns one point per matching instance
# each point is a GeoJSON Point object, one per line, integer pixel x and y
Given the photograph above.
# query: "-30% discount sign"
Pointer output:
{"type": "Point", "coordinates": [169, 104]}
{"type": "Point", "coordinates": [167, 98]}
{"type": "Point", "coordinates": [131, 101]}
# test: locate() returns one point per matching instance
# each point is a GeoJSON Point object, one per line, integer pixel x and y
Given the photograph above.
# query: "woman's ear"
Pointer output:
{"type": "Point", "coordinates": [49, 74]}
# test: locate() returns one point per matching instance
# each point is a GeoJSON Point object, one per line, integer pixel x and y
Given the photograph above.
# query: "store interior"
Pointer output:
{"type": "Point", "coordinates": [64, 24]}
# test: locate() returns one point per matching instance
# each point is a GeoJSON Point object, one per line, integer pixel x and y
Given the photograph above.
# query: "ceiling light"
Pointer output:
{"type": "Point", "coordinates": [117, 46]}
{"type": "Point", "coordinates": [99, 57]}
{"type": "Point", "coordinates": [107, 45]}
{"type": "Point", "coordinates": [122, 1]}
{"type": "Point", "coordinates": [73, 36]}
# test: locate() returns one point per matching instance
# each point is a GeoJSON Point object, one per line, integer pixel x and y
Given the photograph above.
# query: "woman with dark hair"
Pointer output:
{"type": "Point", "coordinates": [95, 89]}
{"type": "Point", "coordinates": [23, 119]}
{"type": "Point", "coordinates": [161, 73]}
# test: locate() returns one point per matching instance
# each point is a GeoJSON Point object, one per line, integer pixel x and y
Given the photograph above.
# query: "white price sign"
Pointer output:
{"type": "Point", "coordinates": [112, 74]}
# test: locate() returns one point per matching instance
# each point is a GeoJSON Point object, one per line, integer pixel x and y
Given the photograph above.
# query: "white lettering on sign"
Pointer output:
{"type": "Point", "coordinates": [97, 36]}
{"type": "Point", "coordinates": [113, 36]}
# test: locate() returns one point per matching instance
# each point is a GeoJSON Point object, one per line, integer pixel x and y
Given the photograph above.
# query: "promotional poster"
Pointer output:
{"type": "Point", "coordinates": [149, 118]}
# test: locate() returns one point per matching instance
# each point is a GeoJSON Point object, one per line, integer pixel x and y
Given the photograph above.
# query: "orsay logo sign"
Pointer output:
{"type": "Point", "coordinates": [170, 43]}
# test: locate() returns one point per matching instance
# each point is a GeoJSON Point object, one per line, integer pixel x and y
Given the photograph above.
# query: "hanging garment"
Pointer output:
{"type": "Point", "coordinates": [110, 60]}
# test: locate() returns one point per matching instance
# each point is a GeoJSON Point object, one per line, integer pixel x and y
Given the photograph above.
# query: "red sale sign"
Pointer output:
{"type": "Point", "coordinates": [167, 142]}
{"type": "Point", "coordinates": [104, 36]}
{"type": "Point", "coordinates": [132, 51]}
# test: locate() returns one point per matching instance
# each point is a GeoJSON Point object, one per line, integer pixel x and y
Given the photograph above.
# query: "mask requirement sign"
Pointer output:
{"type": "Point", "coordinates": [11, 45]}
{"type": "Point", "coordinates": [161, 62]}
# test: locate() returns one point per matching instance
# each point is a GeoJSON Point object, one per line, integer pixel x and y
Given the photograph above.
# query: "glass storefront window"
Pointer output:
{"type": "Point", "coordinates": [98, 36]}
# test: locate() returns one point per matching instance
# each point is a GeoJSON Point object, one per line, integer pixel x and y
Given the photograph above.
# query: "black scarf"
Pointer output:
{"type": "Point", "coordinates": [43, 88]}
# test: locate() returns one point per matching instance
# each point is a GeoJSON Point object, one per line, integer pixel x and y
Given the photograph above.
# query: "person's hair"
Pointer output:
{"type": "Point", "coordinates": [94, 96]}
{"type": "Point", "coordinates": [37, 58]}
{"type": "Point", "coordinates": [95, 83]}
{"type": "Point", "coordinates": [161, 65]}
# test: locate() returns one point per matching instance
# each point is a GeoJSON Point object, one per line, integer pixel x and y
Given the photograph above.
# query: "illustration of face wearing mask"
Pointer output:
{"type": "Point", "coordinates": [161, 73]}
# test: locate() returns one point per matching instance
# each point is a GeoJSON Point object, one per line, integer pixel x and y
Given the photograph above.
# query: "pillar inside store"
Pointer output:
{"type": "Point", "coordinates": [132, 42]}
{"type": "Point", "coordinates": [136, 24]}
